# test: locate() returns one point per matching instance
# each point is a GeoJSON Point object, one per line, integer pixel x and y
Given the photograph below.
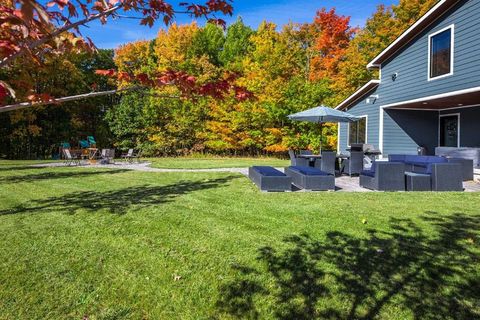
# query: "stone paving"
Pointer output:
{"type": "Point", "coordinates": [343, 183]}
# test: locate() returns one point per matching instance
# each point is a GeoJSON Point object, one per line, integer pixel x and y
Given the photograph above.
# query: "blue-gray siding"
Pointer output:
{"type": "Point", "coordinates": [411, 64]}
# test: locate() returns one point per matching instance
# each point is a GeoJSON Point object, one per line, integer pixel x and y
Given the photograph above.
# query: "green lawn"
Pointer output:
{"type": "Point", "coordinates": [214, 162]}
{"type": "Point", "coordinates": [113, 244]}
{"type": "Point", "coordinates": [23, 162]}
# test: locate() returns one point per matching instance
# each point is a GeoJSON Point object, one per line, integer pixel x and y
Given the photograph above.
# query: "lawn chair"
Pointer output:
{"type": "Point", "coordinates": [70, 159]}
{"type": "Point", "coordinates": [130, 156]}
{"type": "Point", "coordinates": [108, 156]}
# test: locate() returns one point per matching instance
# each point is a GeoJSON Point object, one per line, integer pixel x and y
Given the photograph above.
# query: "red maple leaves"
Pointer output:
{"type": "Point", "coordinates": [31, 27]}
{"type": "Point", "coordinates": [187, 84]}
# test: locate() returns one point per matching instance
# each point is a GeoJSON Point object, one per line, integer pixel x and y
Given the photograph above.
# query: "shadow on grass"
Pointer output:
{"type": "Point", "coordinates": [117, 201]}
{"type": "Point", "coordinates": [428, 276]}
{"type": "Point", "coordinates": [14, 168]}
{"type": "Point", "coordinates": [50, 175]}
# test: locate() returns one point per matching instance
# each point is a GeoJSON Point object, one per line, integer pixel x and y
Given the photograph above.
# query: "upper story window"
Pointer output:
{"type": "Point", "coordinates": [357, 131]}
{"type": "Point", "coordinates": [440, 53]}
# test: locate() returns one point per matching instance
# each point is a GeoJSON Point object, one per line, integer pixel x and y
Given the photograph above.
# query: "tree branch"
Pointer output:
{"type": "Point", "coordinates": [23, 105]}
{"type": "Point", "coordinates": [57, 32]}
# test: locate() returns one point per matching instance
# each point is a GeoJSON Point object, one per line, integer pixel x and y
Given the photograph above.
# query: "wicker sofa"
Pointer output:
{"type": "Point", "coordinates": [384, 176]}
{"type": "Point", "coordinates": [445, 176]}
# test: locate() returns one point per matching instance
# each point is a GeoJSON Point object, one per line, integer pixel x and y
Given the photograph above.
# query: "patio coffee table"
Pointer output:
{"type": "Point", "coordinates": [418, 181]}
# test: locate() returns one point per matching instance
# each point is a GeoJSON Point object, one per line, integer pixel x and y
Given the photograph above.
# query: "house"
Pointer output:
{"type": "Point", "coordinates": [428, 94]}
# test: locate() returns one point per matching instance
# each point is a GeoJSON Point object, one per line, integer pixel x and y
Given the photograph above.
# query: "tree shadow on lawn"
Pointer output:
{"type": "Point", "coordinates": [430, 276]}
{"type": "Point", "coordinates": [19, 168]}
{"type": "Point", "coordinates": [117, 201]}
{"type": "Point", "coordinates": [50, 175]}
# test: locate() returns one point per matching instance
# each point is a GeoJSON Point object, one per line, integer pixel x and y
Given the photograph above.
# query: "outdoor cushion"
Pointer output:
{"type": "Point", "coordinates": [396, 157]}
{"type": "Point", "coordinates": [424, 161]}
{"type": "Point", "coordinates": [309, 171]}
{"type": "Point", "coordinates": [368, 173]}
{"type": "Point", "coordinates": [268, 171]}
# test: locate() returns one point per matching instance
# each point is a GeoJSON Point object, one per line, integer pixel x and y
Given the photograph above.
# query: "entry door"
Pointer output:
{"type": "Point", "coordinates": [449, 131]}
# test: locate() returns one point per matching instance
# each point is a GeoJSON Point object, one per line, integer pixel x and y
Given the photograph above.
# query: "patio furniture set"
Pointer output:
{"type": "Point", "coordinates": [398, 173]}
{"type": "Point", "coordinates": [417, 173]}
{"type": "Point", "coordinates": [94, 156]}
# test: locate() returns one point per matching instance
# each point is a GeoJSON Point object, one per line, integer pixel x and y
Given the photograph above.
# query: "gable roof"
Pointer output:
{"type": "Point", "coordinates": [360, 93]}
{"type": "Point", "coordinates": [427, 19]}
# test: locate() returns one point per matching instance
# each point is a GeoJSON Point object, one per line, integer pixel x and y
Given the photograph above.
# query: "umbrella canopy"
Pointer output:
{"type": "Point", "coordinates": [321, 115]}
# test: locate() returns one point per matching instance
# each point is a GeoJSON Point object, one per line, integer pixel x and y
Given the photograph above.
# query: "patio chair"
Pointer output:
{"type": "Point", "coordinates": [305, 152]}
{"type": "Point", "coordinates": [384, 176]}
{"type": "Point", "coordinates": [108, 155]}
{"type": "Point", "coordinates": [327, 162]}
{"type": "Point", "coordinates": [69, 158]}
{"type": "Point", "coordinates": [354, 164]}
{"type": "Point", "coordinates": [294, 161]}
{"type": "Point", "coordinates": [130, 156]}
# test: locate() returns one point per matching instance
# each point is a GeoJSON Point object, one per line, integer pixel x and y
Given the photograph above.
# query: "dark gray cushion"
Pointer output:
{"type": "Point", "coordinates": [309, 171]}
{"type": "Point", "coordinates": [268, 171]}
{"type": "Point", "coordinates": [368, 173]}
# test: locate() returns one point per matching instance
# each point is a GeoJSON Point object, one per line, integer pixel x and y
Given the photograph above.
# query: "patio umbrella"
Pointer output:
{"type": "Point", "coordinates": [321, 115]}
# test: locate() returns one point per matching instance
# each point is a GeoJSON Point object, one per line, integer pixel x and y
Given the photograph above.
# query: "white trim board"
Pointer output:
{"type": "Point", "coordinates": [380, 130]}
{"type": "Point", "coordinates": [436, 110]}
{"type": "Point", "coordinates": [338, 137]}
{"type": "Point", "coordinates": [438, 96]}
{"type": "Point", "coordinates": [354, 97]}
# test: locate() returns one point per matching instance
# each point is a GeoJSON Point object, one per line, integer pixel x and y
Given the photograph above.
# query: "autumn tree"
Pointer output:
{"type": "Point", "coordinates": [332, 37]}
{"type": "Point", "coordinates": [237, 44]}
{"type": "Point", "coordinates": [36, 132]}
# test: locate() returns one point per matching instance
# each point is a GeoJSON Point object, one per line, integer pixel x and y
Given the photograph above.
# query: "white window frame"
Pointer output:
{"type": "Point", "coordinates": [440, 128]}
{"type": "Point", "coordinates": [366, 130]}
{"type": "Point", "coordinates": [452, 51]}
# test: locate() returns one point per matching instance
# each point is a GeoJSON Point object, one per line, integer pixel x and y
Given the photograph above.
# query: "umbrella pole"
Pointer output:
{"type": "Point", "coordinates": [321, 137]}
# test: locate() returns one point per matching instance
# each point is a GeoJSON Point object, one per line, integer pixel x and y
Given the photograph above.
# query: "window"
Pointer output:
{"type": "Point", "coordinates": [441, 53]}
{"type": "Point", "coordinates": [357, 131]}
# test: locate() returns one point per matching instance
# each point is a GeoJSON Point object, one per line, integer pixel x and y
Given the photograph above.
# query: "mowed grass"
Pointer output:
{"type": "Point", "coordinates": [215, 162]}
{"type": "Point", "coordinates": [4, 162]}
{"type": "Point", "coordinates": [114, 244]}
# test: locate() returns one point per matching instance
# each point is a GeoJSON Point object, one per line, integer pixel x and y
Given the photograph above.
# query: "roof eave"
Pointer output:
{"type": "Point", "coordinates": [427, 19]}
{"type": "Point", "coordinates": [369, 86]}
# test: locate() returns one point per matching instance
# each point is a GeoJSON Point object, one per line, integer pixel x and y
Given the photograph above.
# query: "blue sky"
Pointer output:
{"type": "Point", "coordinates": [117, 32]}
